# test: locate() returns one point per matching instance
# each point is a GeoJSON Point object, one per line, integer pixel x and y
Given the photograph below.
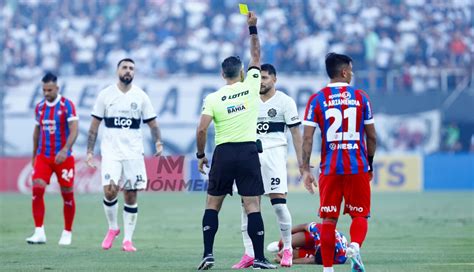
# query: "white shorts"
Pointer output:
{"type": "Point", "coordinates": [128, 174]}
{"type": "Point", "coordinates": [274, 174]}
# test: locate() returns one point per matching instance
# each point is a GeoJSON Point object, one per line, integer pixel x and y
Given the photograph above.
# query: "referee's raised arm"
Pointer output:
{"type": "Point", "coordinates": [234, 110]}
{"type": "Point", "coordinates": [254, 41]}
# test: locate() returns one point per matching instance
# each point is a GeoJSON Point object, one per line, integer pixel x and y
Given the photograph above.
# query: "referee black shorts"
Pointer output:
{"type": "Point", "coordinates": [235, 162]}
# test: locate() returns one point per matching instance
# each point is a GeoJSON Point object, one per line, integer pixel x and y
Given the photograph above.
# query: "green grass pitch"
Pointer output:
{"type": "Point", "coordinates": [407, 232]}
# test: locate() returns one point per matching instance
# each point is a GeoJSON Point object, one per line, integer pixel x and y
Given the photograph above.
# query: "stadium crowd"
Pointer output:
{"type": "Point", "coordinates": [414, 37]}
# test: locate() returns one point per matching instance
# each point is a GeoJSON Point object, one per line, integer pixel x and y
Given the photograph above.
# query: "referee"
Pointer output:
{"type": "Point", "coordinates": [234, 110]}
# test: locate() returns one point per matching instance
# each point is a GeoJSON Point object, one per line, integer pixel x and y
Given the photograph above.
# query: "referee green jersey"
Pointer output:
{"type": "Point", "coordinates": [234, 109]}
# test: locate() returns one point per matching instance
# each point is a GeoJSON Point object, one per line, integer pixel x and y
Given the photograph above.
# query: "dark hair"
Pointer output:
{"type": "Point", "coordinates": [125, 59]}
{"type": "Point", "coordinates": [49, 77]}
{"type": "Point", "coordinates": [335, 63]}
{"type": "Point", "coordinates": [269, 68]}
{"type": "Point", "coordinates": [231, 67]}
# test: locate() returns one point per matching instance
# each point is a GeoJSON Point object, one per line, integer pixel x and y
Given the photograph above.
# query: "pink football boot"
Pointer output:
{"type": "Point", "coordinates": [109, 238]}
{"type": "Point", "coordinates": [245, 262]}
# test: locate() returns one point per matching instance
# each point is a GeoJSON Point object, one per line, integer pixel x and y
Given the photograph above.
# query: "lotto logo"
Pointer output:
{"type": "Point", "coordinates": [234, 96]}
{"type": "Point", "coordinates": [123, 122]}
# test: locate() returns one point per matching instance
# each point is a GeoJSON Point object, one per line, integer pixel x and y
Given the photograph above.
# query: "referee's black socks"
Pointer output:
{"type": "Point", "coordinates": [210, 224]}
{"type": "Point", "coordinates": [256, 233]}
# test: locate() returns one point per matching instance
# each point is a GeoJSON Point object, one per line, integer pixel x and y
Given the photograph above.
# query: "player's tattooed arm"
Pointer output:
{"type": "Point", "coordinates": [307, 177]}
{"type": "Point", "coordinates": [156, 136]}
{"type": "Point", "coordinates": [92, 135]}
{"type": "Point", "coordinates": [93, 131]}
{"type": "Point", "coordinates": [307, 146]}
{"type": "Point", "coordinates": [155, 131]}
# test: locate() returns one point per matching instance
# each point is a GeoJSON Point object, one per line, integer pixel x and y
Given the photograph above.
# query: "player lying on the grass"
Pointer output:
{"type": "Point", "coordinates": [306, 243]}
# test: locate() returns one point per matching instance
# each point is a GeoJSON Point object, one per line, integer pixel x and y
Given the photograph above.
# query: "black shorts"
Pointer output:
{"type": "Point", "coordinates": [239, 162]}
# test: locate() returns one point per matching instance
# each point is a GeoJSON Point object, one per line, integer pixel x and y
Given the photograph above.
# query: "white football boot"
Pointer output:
{"type": "Point", "coordinates": [66, 238]}
{"type": "Point", "coordinates": [353, 252]}
{"type": "Point", "coordinates": [39, 237]}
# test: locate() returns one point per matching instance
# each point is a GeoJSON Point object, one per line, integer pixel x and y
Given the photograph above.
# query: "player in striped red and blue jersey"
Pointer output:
{"type": "Point", "coordinates": [343, 150]}
{"type": "Point", "coordinates": [55, 132]}
{"type": "Point", "coordinates": [348, 143]}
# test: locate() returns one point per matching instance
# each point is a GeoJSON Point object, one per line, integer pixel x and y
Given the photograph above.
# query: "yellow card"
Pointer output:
{"type": "Point", "coordinates": [244, 9]}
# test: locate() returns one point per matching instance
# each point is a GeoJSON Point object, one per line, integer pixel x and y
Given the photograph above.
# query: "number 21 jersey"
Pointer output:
{"type": "Point", "coordinates": [341, 112]}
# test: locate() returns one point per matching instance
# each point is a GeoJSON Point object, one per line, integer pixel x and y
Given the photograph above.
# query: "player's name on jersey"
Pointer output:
{"type": "Point", "coordinates": [337, 102]}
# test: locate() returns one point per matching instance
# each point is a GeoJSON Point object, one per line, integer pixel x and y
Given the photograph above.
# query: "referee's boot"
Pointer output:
{"type": "Point", "coordinates": [263, 264]}
{"type": "Point", "coordinates": [39, 237]}
{"type": "Point", "coordinates": [207, 262]}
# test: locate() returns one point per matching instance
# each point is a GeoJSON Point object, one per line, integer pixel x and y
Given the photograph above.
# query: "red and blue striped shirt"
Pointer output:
{"type": "Point", "coordinates": [52, 119]}
{"type": "Point", "coordinates": [341, 112]}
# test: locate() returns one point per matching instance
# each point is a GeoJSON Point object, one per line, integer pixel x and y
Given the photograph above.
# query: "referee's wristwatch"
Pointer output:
{"type": "Point", "coordinates": [200, 156]}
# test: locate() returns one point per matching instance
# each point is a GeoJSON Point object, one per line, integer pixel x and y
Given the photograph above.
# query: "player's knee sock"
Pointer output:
{"type": "Point", "coordinates": [256, 233]}
{"type": "Point", "coordinates": [359, 227]}
{"type": "Point", "coordinates": [111, 210]}
{"type": "Point", "coordinates": [245, 235]}
{"type": "Point", "coordinates": [38, 205]}
{"type": "Point", "coordinates": [69, 209]}
{"type": "Point", "coordinates": [210, 224]}
{"type": "Point", "coordinates": [328, 243]}
{"type": "Point", "coordinates": [284, 220]}
{"type": "Point", "coordinates": [130, 214]}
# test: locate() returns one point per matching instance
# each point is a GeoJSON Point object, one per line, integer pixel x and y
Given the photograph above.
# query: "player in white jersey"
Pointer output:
{"type": "Point", "coordinates": [122, 106]}
{"type": "Point", "coordinates": [277, 115]}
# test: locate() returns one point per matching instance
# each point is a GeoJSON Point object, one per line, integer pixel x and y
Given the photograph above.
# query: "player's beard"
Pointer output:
{"type": "Point", "coordinates": [265, 90]}
{"type": "Point", "coordinates": [50, 98]}
{"type": "Point", "coordinates": [126, 79]}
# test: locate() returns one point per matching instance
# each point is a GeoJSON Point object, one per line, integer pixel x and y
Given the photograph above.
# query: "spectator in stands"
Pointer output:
{"type": "Point", "coordinates": [79, 37]}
